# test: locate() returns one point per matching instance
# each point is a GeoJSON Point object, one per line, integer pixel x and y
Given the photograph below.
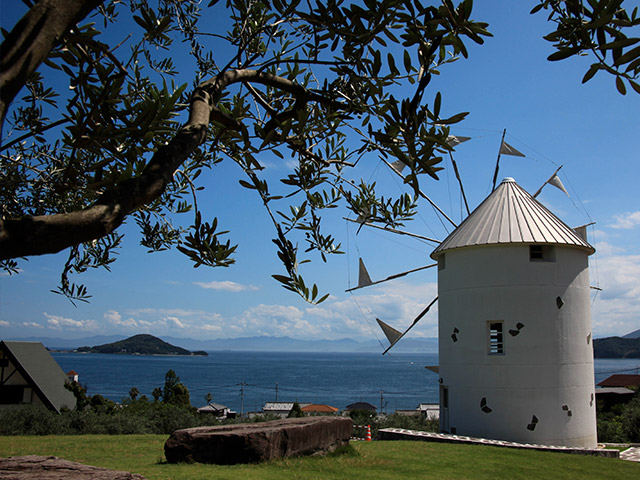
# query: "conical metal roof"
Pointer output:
{"type": "Point", "coordinates": [511, 215]}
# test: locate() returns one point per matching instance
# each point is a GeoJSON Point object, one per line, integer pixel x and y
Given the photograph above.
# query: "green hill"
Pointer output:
{"type": "Point", "coordinates": [142, 344]}
{"type": "Point", "coordinates": [616, 347]}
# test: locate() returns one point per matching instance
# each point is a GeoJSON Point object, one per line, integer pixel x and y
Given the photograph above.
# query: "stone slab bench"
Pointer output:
{"type": "Point", "coordinates": [258, 442]}
{"type": "Point", "coordinates": [38, 467]}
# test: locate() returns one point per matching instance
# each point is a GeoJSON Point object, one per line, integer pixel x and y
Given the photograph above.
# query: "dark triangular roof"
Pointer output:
{"type": "Point", "coordinates": [361, 406]}
{"type": "Point", "coordinates": [36, 365]}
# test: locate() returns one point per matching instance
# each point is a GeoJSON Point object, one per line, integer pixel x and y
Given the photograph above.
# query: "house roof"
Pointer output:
{"type": "Point", "coordinates": [510, 215]}
{"type": "Point", "coordinates": [213, 408]}
{"type": "Point", "coordinates": [621, 380]}
{"type": "Point", "coordinates": [281, 406]}
{"type": "Point", "coordinates": [614, 390]}
{"type": "Point", "coordinates": [319, 408]}
{"type": "Point", "coordinates": [41, 371]}
{"type": "Point", "coordinates": [361, 406]}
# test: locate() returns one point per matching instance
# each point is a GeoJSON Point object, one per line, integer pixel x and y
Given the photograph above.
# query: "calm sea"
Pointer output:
{"type": "Point", "coordinates": [244, 381]}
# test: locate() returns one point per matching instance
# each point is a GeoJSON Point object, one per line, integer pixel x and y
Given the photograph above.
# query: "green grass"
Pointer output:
{"type": "Point", "coordinates": [369, 460]}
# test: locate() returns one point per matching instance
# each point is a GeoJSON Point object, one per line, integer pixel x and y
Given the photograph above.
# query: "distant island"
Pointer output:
{"type": "Point", "coordinates": [143, 344]}
{"type": "Point", "coordinates": [617, 347]}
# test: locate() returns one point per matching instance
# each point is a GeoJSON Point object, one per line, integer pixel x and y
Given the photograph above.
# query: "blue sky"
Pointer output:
{"type": "Point", "coordinates": [507, 83]}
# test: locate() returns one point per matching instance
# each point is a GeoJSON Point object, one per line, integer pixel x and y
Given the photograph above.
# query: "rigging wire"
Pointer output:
{"type": "Point", "coordinates": [543, 157]}
{"type": "Point", "coordinates": [580, 207]}
{"type": "Point", "coordinates": [353, 297]}
{"type": "Point", "coordinates": [394, 178]}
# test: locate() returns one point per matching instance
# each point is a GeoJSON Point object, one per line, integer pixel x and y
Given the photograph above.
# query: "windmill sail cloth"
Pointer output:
{"type": "Point", "coordinates": [581, 232]}
{"type": "Point", "coordinates": [506, 149]}
{"type": "Point", "coordinates": [391, 333]}
{"type": "Point", "coordinates": [556, 182]}
{"type": "Point", "coordinates": [363, 276]}
{"type": "Point", "coordinates": [398, 166]}
{"type": "Point", "coordinates": [454, 140]}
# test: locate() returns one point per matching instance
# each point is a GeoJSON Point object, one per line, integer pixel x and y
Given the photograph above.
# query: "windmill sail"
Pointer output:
{"type": "Point", "coordinates": [391, 333]}
{"type": "Point", "coordinates": [363, 276]}
{"type": "Point", "coordinates": [363, 283]}
{"type": "Point", "coordinates": [455, 140]}
{"type": "Point", "coordinates": [394, 331]}
{"type": "Point", "coordinates": [553, 180]}
{"type": "Point", "coordinates": [506, 149]}
{"type": "Point", "coordinates": [398, 166]}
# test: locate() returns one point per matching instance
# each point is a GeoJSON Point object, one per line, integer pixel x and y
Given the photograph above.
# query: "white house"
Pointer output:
{"type": "Point", "coordinates": [281, 409]}
{"type": "Point", "coordinates": [515, 349]}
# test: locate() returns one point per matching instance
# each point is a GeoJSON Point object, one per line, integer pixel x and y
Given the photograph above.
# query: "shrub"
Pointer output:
{"type": "Point", "coordinates": [296, 411]}
{"type": "Point", "coordinates": [631, 420]}
{"type": "Point", "coordinates": [29, 420]}
{"type": "Point", "coordinates": [610, 429]}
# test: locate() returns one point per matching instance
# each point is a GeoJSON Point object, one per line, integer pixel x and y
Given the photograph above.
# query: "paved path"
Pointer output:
{"type": "Point", "coordinates": [403, 434]}
{"type": "Point", "coordinates": [632, 454]}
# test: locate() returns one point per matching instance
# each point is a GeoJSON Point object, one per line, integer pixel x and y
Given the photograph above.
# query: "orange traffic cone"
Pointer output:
{"type": "Point", "coordinates": [367, 437]}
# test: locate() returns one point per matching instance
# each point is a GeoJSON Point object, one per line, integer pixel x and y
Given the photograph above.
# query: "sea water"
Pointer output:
{"type": "Point", "coordinates": [244, 381]}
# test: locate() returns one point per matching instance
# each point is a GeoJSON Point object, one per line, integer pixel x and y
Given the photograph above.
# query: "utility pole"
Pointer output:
{"type": "Point", "coordinates": [381, 392]}
{"type": "Point", "coordinates": [276, 391]}
{"type": "Point", "coordinates": [242, 385]}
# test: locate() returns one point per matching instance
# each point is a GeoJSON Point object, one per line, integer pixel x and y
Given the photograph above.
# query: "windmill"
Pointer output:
{"type": "Point", "coordinates": [514, 322]}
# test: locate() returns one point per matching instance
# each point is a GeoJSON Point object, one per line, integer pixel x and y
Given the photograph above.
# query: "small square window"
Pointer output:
{"type": "Point", "coordinates": [496, 338]}
{"type": "Point", "coordinates": [542, 253]}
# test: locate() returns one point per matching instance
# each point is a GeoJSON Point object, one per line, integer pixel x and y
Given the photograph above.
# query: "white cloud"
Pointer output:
{"type": "Point", "coordinates": [211, 328]}
{"type": "Point", "coordinates": [4, 323]}
{"type": "Point", "coordinates": [398, 304]}
{"type": "Point", "coordinates": [616, 310]}
{"type": "Point", "coordinates": [626, 221]}
{"type": "Point", "coordinates": [619, 276]}
{"type": "Point", "coordinates": [604, 249]}
{"type": "Point", "coordinates": [131, 323]}
{"type": "Point", "coordinates": [340, 317]}
{"type": "Point", "coordinates": [162, 321]}
{"type": "Point", "coordinates": [32, 325]}
{"type": "Point", "coordinates": [57, 322]}
{"type": "Point", "coordinates": [226, 286]}
{"type": "Point", "coordinates": [278, 320]}
{"type": "Point", "coordinates": [112, 316]}
{"type": "Point", "coordinates": [162, 312]}
{"type": "Point", "coordinates": [174, 322]}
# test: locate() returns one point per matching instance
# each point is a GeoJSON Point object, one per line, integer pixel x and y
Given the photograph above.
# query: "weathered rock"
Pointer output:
{"type": "Point", "coordinates": [257, 442]}
{"type": "Point", "coordinates": [39, 467]}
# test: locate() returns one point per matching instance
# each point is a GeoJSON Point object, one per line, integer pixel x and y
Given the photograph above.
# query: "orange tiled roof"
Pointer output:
{"type": "Point", "coordinates": [319, 408]}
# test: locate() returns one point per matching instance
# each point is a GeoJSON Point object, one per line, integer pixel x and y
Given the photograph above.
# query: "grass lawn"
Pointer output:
{"type": "Point", "coordinates": [370, 460]}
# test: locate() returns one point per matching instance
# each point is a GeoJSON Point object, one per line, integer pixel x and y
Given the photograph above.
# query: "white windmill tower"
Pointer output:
{"type": "Point", "coordinates": [515, 353]}
{"type": "Point", "coordinates": [514, 319]}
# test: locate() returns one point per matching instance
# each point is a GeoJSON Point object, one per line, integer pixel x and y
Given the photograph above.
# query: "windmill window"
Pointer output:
{"type": "Point", "coordinates": [496, 338]}
{"type": "Point", "coordinates": [542, 253]}
{"type": "Point", "coordinates": [442, 262]}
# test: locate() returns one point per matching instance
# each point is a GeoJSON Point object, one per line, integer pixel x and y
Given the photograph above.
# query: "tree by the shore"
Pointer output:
{"type": "Point", "coordinates": [96, 129]}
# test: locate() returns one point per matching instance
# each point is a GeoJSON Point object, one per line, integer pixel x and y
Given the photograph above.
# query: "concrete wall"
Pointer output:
{"type": "Point", "coordinates": [541, 389]}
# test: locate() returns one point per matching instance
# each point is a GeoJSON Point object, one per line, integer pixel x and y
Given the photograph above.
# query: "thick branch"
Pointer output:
{"type": "Point", "coordinates": [32, 39]}
{"type": "Point", "coordinates": [52, 233]}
